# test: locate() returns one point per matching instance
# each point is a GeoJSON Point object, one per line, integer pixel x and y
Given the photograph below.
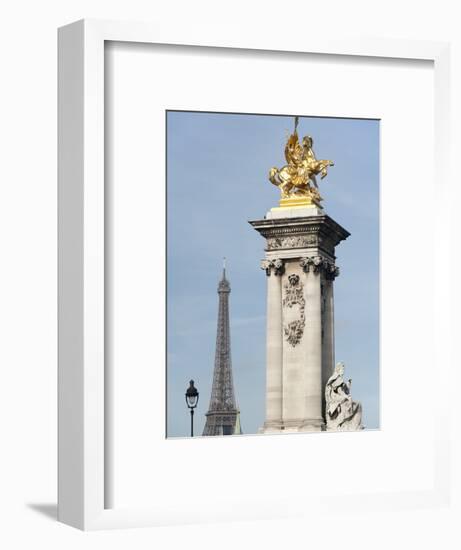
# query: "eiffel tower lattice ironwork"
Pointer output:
{"type": "Point", "coordinates": [223, 416]}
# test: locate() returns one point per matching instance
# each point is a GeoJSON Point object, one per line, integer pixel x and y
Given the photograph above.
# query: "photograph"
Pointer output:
{"type": "Point", "coordinates": [273, 274]}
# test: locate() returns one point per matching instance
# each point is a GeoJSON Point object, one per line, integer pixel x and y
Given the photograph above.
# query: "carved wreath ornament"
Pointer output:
{"type": "Point", "coordinates": [293, 303]}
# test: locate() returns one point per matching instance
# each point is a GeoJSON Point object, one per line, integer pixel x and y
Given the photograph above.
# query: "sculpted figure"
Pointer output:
{"type": "Point", "coordinates": [342, 413]}
{"type": "Point", "coordinates": [295, 179]}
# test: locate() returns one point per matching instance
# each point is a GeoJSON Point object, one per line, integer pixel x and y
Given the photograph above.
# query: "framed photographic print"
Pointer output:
{"type": "Point", "coordinates": [240, 221]}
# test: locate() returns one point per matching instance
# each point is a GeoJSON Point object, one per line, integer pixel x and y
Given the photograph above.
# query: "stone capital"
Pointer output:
{"type": "Point", "coordinates": [320, 264]}
{"type": "Point", "coordinates": [276, 266]}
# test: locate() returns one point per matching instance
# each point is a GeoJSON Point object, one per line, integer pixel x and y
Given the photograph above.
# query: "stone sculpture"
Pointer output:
{"type": "Point", "coordinates": [341, 412]}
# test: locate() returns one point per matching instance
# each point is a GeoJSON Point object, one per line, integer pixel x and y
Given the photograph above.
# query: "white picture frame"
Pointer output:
{"type": "Point", "coordinates": [84, 470]}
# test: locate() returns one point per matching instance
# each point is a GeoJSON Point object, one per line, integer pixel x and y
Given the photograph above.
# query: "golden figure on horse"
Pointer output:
{"type": "Point", "coordinates": [296, 180]}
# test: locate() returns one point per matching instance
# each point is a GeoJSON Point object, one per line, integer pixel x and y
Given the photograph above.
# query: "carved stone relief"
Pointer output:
{"type": "Point", "coordinates": [293, 304]}
{"type": "Point", "coordinates": [296, 241]}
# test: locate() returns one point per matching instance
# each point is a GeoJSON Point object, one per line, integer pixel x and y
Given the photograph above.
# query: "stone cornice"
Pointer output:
{"type": "Point", "coordinates": [300, 226]}
{"type": "Point", "coordinates": [309, 231]}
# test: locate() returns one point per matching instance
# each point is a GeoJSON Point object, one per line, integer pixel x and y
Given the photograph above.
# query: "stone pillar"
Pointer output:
{"type": "Point", "coordinates": [328, 330]}
{"type": "Point", "coordinates": [312, 384]}
{"type": "Point", "coordinates": [274, 349]}
{"type": "Point", "coordinates": [294, 351]}
{"type": "Point", "coordinates": [300, 264]}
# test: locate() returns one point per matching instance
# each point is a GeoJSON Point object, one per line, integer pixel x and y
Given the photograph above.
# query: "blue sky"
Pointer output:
{"type": "Point", "coordinates": [217, 167]}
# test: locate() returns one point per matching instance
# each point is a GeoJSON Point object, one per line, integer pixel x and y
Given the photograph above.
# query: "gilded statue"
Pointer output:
{"type": "Point", "coordinates": [297, 179]}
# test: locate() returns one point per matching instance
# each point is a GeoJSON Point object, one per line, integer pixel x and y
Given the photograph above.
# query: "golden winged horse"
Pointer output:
{"type": "Point", "coordinates": [294, 179]}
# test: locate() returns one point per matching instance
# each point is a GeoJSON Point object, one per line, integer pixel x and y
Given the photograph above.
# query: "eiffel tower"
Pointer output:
{"type": "Point", "coordinates": [223, 416]}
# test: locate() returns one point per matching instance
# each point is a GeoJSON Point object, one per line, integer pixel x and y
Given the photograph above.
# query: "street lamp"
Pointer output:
{"type": "Point", "coordinates": [192, 401]}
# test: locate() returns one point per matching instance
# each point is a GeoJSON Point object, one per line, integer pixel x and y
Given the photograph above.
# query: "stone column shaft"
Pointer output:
{"type": "Point", "coordinates": [313, 388]}
{"type": "Point", "coordinates": [274, 361]}
{"type": "Point", "coordinates": [328, 335]}
{"type": "Point", "coordinates": [293, 350]}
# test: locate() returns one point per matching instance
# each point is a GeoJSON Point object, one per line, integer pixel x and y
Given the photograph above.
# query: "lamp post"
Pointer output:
{"type": "Point", "coordinates": [192, 401]}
